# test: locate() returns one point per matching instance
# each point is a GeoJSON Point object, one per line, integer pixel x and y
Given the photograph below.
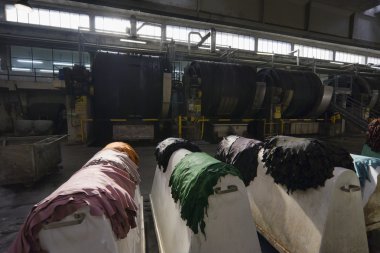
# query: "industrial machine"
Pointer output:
{"type": "Point", "coordinates": [224, 94]}
{"type": "Point", "coordinates": [136, 96]}
{"type": "Point", "coordinates": [131, 94]}
{"type": "Point", "coordinates": [230, 97]}
{"type": "Point", "coordinates": [356, 98]}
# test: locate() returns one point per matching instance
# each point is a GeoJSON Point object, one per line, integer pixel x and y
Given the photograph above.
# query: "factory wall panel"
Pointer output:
{"type": "Point", "coordinates": [185, 4]}
{"type": "Point", "coordinates": [290, 13]}
{"type": "Point", "coordinates": [329, 20]}
{"type": "Point", "coordinates": [367, 28]}
{"type": "Point", "coordinates": [251, 10]}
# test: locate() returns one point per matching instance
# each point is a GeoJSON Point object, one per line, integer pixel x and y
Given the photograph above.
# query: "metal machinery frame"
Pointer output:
{"type": "Point", "coordinates": [90, 40]}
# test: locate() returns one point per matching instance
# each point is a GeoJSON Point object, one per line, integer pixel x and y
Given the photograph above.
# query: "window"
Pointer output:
{"type": "Point", "coordinates": [235, 41]}
{"type": "Point", "coordinates": [34, 17]}
{"type": "Point", "coordinates": [111, 25]}
{"type": "Point", "coordinates": [273, 46]}
{"type": "Point", "coordinates": [314, 52]}
{"type": "Point", "coordinates": [349, 58]}
{"type": "Point", "coordinates": [373, 60]}
{"type": "Point", "coordinates": [180, 34]}
{"type": "Point", "coordinates": [10, 13]}
{"type": "Point", "coordinates": [148, 31]}
{"type": "Point", "coordinates": [47, 18]}
{"type": "Point", "coordinates": [21, 59]}
{"type": "Point", "coordinates": [45, 60]}
{"type": "Point", "coordinates": [223, 39]}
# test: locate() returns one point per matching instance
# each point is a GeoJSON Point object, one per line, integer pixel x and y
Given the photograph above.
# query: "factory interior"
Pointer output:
{"type": "Point", "coordinates": [190, 126]}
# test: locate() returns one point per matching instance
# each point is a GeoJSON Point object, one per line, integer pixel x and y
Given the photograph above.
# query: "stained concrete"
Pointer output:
{"type": "Point", "coordinates": [17, 200]}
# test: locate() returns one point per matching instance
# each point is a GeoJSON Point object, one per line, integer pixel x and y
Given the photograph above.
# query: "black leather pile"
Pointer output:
{"type": "Point", "coordinates": [302, 163]}
{"type": "Point", "coordinates": [167, 147]}
{"type": "Point", "coordinates": [373, 135]}
{"type": "Point", "coordinates": [242, 153]}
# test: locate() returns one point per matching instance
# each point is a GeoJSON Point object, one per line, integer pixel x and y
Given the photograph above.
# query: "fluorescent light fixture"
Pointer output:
{"type": "Point", "coordinates": [149, 37]}
{"type": "Point", "coordinates": [87, 65]}
{"type": "Point", "coordinates": [336, 62]}
{"type": "Point", "coordinates": [133, 41]}
{"type": "Point", "coordinates": [224, 46]}
{"type": "Point", "coordinates": [375, 67]}
{"type": "Point", "coordinates": [29, 61]}
{"type": "Point", "coordinates": [23, 5]}
{"type": "Point", "coordinates": [110, 52]}
{"type": "Point", "coordinates": [63, 63]}
{"type": "Point", "coordinates": [262, 53]}
{"type": "Point", "coordinates": [46, 70]}
{"type": "Point", "coordinates": [207, 48]}
{"type": "Point", "coordinates": [20, 69]}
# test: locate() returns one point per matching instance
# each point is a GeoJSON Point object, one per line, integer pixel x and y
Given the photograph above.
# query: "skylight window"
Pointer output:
{"type": "Point", "coordinates": [349, 58]}
{"type": "Point", "coordinates": [47, 17]}
{"type": "Point", "coordinates": [111, 25]}
{"type": "Point", "coordinates": [273, 46]}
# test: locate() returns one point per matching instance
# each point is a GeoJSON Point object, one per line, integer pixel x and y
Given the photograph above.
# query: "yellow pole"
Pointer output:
{"type": "Point", "coordinates": [180, 126]}
{"type": "Point", "coordinates": [202, 127]}
{"type": "Point", "coordinates": [82, 130]}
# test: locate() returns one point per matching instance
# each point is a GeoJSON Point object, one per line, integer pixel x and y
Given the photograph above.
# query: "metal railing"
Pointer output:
{"type": "Point", "coordinates": [353, 113]}
{"type": "Point", "coordinates": [33, 74]}
{"type": "Point", "coordinates": [357, 107]}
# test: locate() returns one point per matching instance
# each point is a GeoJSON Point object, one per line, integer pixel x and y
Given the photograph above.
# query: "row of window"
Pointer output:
{"type": "Point", "coordinates": [350, 58]}
{"type": "Point", "coordinates": [178, 34]}
{"type": "Point", "coordinates": [373, 60]}
{"type": "Point", "coordinates": [223, 39]}
{"type": "Point", "coordinates": [47, 18]}
{"type": "Point", "coordinates": [45, 60]}
{"type": "Point", "coordinates": [272, 46]}
{"type": "Point", "coordinates": [314, 52]}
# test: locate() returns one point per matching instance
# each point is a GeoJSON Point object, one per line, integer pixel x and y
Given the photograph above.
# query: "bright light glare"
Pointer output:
{"type": "Point", "coordinates": [20, 69]}
{"type": "Point", "coordinates": [133, 41]}
{"type": "Point", "coordinates": [63, 63]}
{"type": "Point", "coordinates": [29, 61]}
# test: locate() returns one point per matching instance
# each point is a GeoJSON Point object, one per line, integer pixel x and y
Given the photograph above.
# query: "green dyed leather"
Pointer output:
{"type": "Point", "coordinates": [192, 183]}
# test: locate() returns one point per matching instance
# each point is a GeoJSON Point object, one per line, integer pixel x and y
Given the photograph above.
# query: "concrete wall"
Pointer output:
{"type": "Point", "coordinates": [186, 4]}
{"type": "Point", "coordinates": [367, 28]}
{"type": "Point", "coordinates": [330, 20]}
{"type": "Point", "coordinates": [251, 11]}
{"type": "Point", "coordinates": [290, 13]}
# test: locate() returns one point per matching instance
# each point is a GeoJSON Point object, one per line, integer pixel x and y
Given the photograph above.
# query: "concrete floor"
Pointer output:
{"type": "Point", "coordinates": [17, 200]}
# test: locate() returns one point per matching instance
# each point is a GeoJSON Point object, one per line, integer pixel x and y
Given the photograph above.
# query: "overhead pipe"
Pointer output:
{"type": "Point", "coordinates": [133, 30]}
{"type": "Point", "coordinates": [213, 40]}
{"type": "Point", "coordinates": [188, 39]}
{"type": "Point", "coordinates": [211, 33]}
{"type": "Point", "coordinates": [96, 46]}
{"type": "Point", "coordinates": [147, 23]}
{"type": "Point", "coordinates": [204, 38]}
{"type": "Point", "coordinates": [298, 55]}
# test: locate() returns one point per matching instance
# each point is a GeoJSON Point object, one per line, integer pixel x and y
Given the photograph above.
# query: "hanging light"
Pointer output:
{"type": "Point", "coordinates": [133, 41]}
{"type": "Point", "coordinates": [23, 5]}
